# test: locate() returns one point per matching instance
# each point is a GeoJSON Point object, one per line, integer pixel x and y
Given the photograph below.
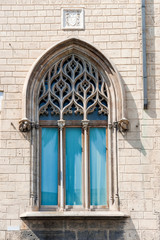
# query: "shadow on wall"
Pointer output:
{"type": "Point", "coordinates": [133, 136]}
{"type": "Point", "coordinates": [77, 229]}
{"type": "Point", "coordinates": [135, 109]}
{"type": "Point", "coordinates": [152, 23]}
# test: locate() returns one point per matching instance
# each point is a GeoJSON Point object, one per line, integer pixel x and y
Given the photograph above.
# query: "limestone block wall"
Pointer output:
{"type": "Point", "coordinates": [27, 29]}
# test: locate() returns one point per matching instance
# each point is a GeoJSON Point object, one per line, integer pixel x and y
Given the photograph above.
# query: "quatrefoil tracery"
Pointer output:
{"type": "Point", "coordinates": [73, 81]}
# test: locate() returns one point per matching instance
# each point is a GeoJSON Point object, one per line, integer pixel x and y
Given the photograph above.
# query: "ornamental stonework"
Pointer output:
{"type": "Point", "coordinates": [72, 19]}
{"type": "Point", "coordinates": [73, 85]}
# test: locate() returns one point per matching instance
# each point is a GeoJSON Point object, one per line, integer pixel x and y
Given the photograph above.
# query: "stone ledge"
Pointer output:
{"type": "Point", "coordinates": [74, 214]}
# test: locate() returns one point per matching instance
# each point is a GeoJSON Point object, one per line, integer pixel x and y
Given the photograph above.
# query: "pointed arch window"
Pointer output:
{"type": "Point", "coordinates": [73, 110]}
{"type": "Point", "coordinates": [73, 105]}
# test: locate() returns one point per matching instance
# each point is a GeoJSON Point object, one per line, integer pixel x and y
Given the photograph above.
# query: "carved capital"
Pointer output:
{"type": "Point", "coordinates": [61, 124]}
{"type": "Point", "coordinates": [123, 125]}
{"type": "Point", "coordinates": [24, 125]}
{"type": "Point", "coordinates": [85, 123]}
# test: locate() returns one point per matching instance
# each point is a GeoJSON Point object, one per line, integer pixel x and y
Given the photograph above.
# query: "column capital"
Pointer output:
{"type": "Point", "coordinates": [61, 124]}
{"type": "Point", "coordinates": [85, 123]}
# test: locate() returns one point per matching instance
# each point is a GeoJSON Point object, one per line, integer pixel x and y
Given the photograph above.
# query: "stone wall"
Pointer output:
{"type": "Point", "coordinates": [28, 27]}
{"type": "Point", "coordinates": [81, 229]}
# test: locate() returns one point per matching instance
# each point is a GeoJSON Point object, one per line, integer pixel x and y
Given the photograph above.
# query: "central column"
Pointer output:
{"type": "Point", "coordinates": [61, 124]}
{"type": "Point", "coordinates": [86, 184]}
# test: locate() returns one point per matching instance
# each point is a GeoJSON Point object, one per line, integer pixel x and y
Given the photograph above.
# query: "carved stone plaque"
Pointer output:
{"type": "Point", "coordinates": [72, 19]}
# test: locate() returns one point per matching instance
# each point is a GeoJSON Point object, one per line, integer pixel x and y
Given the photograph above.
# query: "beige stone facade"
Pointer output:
{"type": "Point", "coordinates": [113, 27]}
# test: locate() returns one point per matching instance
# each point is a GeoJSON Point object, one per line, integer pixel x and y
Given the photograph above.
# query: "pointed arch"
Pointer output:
{"type": "Point", "coordinates": [45, 61]}
{"type": "Point", "coordinates": [116, 107]}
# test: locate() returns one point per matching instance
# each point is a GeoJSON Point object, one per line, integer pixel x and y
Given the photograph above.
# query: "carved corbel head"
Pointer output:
{"type": "Point", "coordinates": [24, 125]}
{"type": "Point", "coordinates": [123, 125]}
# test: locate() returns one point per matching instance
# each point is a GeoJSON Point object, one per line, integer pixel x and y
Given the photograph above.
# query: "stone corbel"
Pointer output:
{"type": "Point", "coordinates": [25, 125]}
{"type": "Point", "coordinates": [123, 125]}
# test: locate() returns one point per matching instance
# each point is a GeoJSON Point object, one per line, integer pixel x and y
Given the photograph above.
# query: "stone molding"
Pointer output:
{"type": "Point", "coordinates": [75, 214]}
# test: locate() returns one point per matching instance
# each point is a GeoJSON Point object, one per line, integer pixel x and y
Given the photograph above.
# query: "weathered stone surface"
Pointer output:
{"type": "Point", "coordinates": [116, 235]}
{"type": "Point", "coordinates": [48, 235]}
{"type": "Point", "coordinates": [12, 235]}
{"type": "Point", "coordinates": [28, 235]}
{"type": "Point", "coordinates": [92, 235]}
{"type": "Point", "coordinates": [124, 235]}
{"type": "Point", "coordinates": [46, 225]}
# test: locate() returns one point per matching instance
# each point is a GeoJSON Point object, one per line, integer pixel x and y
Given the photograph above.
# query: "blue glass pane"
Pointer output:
{"type": "Point", "coordinates": [73, 116]}
{"type": "Point", "coordinates": [96, 116]}
{"type": "Point", "coordinates": [50, 116]}
{"type": "Point", "coordinates": [98, 191]}
{"type": "Point", "coordinates": [73, 166]}
{"type": "Point", "coordinates": [49, 167]}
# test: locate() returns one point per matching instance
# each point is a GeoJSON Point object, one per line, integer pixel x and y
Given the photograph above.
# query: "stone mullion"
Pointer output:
{"type": "Point", "coordinates": [86, 165]}
{"type": "Point", "coordinates": [61, 124]}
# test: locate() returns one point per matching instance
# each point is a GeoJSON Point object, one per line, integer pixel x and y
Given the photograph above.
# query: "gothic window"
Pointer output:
{"type": "Point", "coordinates": [73, 108]}
{"type": "Point", "coordinates": [73, 119]}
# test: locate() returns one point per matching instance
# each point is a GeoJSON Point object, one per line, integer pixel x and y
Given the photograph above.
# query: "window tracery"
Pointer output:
{"type": "Point", "coordinates": [73, 85]}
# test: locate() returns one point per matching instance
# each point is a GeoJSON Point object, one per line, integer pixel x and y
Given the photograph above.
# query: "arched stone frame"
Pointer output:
{"type": "Point", "coordinates": [117, 109]}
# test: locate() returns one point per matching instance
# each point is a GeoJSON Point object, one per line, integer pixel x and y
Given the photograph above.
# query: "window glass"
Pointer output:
{"type": "Point", "coordinates": [73, 166]}
{"type": "Point", "coordinates": [49, 166]}
{"type": "Point", "coordinates": [98, 191]}
{"type": "Point", "coordinates": [96, 116]}
{"type": "Point", "coordinates": [73, 98]}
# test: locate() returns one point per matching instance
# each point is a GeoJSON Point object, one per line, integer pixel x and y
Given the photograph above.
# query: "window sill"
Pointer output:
{"type": "Point", "coordinates": [74, 214]}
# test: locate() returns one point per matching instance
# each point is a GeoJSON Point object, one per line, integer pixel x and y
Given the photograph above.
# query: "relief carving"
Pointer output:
{"type": "Point", "coordinates": [24, 125]}
{"type": "Point", "coordinates": [73, 19]}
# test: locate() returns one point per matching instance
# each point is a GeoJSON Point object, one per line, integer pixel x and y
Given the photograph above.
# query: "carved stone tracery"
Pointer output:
{"type": "Point", "coordinates": [72, 81]}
